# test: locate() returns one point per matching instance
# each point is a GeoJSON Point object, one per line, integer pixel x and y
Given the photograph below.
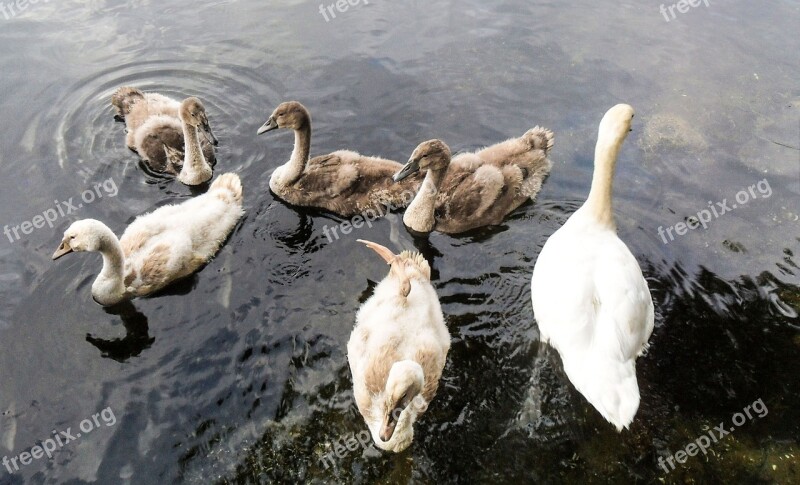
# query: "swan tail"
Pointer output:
{"type": "Point", "coordinates": [610, 386]}
{"type": "Point", "coordinates": [124, 99]}
{"type": "Point", "coordinates": [537, 166]}
{"type": "Point", "coordinates": [228, 185]}
{"type": "Point", "coordinates": [540, 138]}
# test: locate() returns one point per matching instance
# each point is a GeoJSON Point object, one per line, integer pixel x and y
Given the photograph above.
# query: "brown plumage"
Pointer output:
{"type": "Point", "coordinates": [156, 127]}
{"type": "Point", "coordinates": [343, 182]}
{"type": "Point", "coordinates": [527, 151]}
{"type": "Point", "coordinates": [135, 107]}
{"type": "Point", "coordinates": [162, 147]}
{"type": "Point", "coordinates": [475, 189]}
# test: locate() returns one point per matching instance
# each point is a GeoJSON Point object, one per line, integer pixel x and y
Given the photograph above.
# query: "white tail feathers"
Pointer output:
{"type": "Point", "coordinates": [610, 386]}
{"type": "Point", "coordinates": [228, 183]}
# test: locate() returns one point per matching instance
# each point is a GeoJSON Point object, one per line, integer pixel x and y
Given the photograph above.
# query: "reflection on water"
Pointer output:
{"type": "Point", "coordinates": [239, 374]}
{"type": "Point", "coordinates": [135, 341]}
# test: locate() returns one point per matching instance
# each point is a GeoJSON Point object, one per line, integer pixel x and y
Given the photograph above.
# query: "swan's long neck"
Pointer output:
{"type": "Point", "coordinates": [293, 169]}
{"type": "Point", "coordinates": [109, 287]}
{"type": "Point", "coordinates": [598, 203]}
{"type": "Point", "coordinates": [420, 215]}
{"type": "Point", "coordinates": [196, 169]}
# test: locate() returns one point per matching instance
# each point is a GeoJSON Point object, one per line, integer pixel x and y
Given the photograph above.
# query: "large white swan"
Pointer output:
{"type": "Point", "coordinates": [590, 300]}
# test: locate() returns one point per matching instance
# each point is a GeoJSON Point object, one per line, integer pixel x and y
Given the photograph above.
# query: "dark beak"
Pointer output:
{"type": "Point", "coordinates": [205, 127]}
{"type": "Point", "coordinates": [390, 423]}
{"type": "Point", "coordinates": [62, 250]}
{"type": "Point", "coordinates": [209, 134]}
{"type": "Point", "coordinates": [270, 125]}
{"type": "Point", "coordinates": [410, 168]}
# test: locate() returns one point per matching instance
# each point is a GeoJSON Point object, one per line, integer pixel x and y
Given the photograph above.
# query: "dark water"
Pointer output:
{"type": "Point", "coordinates": [239, 375]}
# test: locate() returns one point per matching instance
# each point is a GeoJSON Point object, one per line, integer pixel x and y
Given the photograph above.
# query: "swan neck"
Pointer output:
{"type": "Point", "coordinates": [194, 162]}
{"type": "Point", "coordinates": [302, 148]}
{"type": "Point", "coordinates": [599, 201]}
{"type": "Point", "coordinates": [109, 284]}
{"type": "Point", "coordinates": [420, 215]}
{"type": "Point", "coordinates": [113, 260]}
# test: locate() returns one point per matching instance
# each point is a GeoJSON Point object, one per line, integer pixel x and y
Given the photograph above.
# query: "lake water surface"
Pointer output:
{"type": "Point", "coordinates": [240, 375]}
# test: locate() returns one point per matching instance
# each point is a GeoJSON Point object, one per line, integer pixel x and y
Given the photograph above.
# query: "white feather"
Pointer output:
{"type": "Point", "coordinates": [408, 324]}
{"type": "Point", "coordinates": [589, 297]}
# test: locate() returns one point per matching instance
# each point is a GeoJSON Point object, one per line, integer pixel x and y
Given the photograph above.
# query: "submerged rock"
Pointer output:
{"type": "Point", "coordinates": [668, 131]}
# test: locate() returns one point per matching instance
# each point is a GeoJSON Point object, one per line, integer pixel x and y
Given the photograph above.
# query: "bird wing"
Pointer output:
{"type": "Point", "coordinates": [626, 313]}
{"type": "Point", "coordinates": [432, 360]}
{"type": "Point", "coordinates": [327, 174]}
{"type": "Point", "coordinates": [467, 193]}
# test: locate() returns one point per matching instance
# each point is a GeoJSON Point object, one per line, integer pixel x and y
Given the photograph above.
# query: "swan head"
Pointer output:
{"type": "Point", "coordinates": [616, 124]}
{"type": "Point", "coordinates": [81, 236]}
{"type": "Point", "coordinates": [433, 155]}
{"type": "Point", "coordinates": [193, 113]}
{"type": "Point", "coordinates": [291, 115]}
{"type": "Point", "coordinates": [402, 402]}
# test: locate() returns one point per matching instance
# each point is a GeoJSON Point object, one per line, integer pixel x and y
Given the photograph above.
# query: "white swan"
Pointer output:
{"type": "Point", "coordinates": [590, 300]}
{"type": "Point", "coordinates": [158, 248]}
{"type": "Point", "coordinates": [397, 350]}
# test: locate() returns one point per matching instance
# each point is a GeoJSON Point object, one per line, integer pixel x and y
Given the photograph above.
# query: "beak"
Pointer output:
{"type": "Point", "coordinates": [62, 250]}
{"type": "Point", "coordinates": [209, 134]}
{"type": "Point", "coordinates": [409, 169]}
{"type": "Point", "coordinates": [270, 125]}
{"type": "Point", "coordinates": [390, 423]}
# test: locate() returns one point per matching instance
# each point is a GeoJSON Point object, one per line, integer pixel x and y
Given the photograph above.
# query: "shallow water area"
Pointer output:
{"type": "Point", "coordinates": [239, 374]}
